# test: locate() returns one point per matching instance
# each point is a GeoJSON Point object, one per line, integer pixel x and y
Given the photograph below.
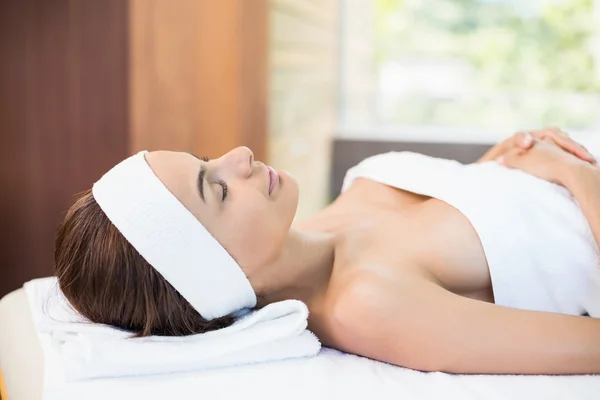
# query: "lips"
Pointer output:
{"type": "Point", "coordinates": [273, 179]}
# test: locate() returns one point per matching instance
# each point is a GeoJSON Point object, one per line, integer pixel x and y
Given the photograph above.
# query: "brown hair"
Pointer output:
{"type": "Point", "coordinates": [106, 280]}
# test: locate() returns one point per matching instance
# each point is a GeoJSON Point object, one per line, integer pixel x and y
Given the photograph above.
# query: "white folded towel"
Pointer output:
{"type": "Point", "coordinates": [86, 350]}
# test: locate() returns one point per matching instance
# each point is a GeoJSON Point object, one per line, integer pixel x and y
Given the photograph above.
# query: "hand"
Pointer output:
{"type": "Point", "coordinates": [544, 159]}
{"type": "Point", "coordinates": [524, 140]}
{"type": "Point", "coordinates": [563, 140]}
{"type": "Point", "coordinates": [520, 140]}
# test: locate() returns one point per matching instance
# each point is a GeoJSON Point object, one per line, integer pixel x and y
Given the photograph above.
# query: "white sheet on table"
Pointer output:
{"type": "Point", "coordinates": [332, 375]}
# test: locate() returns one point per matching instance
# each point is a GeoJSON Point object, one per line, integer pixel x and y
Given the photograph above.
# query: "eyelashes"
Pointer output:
{"type": "Point", "coordinates": [224, 187]}
{"type": "Point", "coordinates": [220, 182]}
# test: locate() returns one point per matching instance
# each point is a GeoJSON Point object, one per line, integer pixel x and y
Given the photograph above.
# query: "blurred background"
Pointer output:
{"type": "Point", "coordinates": [312, 86]}
{"type": "Point", "coordinates": [486, 64]}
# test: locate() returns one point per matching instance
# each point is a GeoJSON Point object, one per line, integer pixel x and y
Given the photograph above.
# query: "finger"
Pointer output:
{"type": "Point", "coordinates": [545, 134]}
{"type": "Point", "coordinates": [574, 148]}
{"type": "Point", "coordinates": [584, 154]}
{"type": "Point", "coordinates": [563, 140]}
{"type": "Point", "coordinates": [551, 132]}
{"type": "Point", "coordinates": [587, 155]}
{"type": "Point", "coordinates": [555, 131]}
{"type": "Point", "coordinates": [592, 157]}
{"type": "Point", "coordinates": [510, 159]}
{"type": "Point", "coordinates": [580, 150]}
{"type": "Point", "coordinates": [523, 140]}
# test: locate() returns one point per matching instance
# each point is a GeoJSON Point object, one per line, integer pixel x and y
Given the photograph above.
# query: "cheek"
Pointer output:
{"type": "Point", "coordinates": [253, 232]}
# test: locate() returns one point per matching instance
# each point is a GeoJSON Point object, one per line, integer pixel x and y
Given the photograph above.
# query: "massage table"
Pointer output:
{"type": "Point", "coordinates": [330, 375]}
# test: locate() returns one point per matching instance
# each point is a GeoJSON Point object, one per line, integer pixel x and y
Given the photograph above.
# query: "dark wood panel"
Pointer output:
{"type": "Point", "coordinates": [63, 118]}
{"type": "Point", "coordinates": [347, 153]}
{"type": "Point", "coordinates": [14, 183]}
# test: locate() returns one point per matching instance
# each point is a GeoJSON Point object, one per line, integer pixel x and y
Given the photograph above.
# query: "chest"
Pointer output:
{"type": "Point", "coordinates": [399, 232]}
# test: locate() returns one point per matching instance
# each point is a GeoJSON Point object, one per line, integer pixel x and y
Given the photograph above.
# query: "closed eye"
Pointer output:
{"type": "Point", "coordinates": [224, 187]}
{"type": "Point", "coordinates": [201, 177]}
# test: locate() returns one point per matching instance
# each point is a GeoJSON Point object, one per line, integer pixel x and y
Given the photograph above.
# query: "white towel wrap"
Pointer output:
{"type": "Point", "coordinates": [540, 249]}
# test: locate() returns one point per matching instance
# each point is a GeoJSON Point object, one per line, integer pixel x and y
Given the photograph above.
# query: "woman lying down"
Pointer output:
{"type": "Point", "coordinates": [421, 262]}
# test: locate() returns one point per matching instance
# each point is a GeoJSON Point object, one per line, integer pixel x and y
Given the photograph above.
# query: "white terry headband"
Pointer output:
{"type": "Point", "coordinates": [172, 240]}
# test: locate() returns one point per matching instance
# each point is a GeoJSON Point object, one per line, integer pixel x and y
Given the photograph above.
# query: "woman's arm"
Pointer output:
{"type": "Point", "coordinates": [583, 181]}
{"type": "Point", "coordinates": [425, 327]}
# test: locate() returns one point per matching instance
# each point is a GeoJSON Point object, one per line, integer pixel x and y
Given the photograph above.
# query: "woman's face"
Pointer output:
{"type": "Point", "coordinates": [244, 204]}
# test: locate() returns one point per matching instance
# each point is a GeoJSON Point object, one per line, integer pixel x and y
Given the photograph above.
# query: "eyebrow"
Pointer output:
{"type": "Point", "coordinates": [200, 182]}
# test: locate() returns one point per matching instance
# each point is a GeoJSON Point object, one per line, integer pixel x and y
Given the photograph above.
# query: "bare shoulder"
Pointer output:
{"type": "Point", "coordinates": [411, 321]}
{"type": "Point", "coordinates": [357, 304]}
{"type": "Point", "coordinates": [369, 288]}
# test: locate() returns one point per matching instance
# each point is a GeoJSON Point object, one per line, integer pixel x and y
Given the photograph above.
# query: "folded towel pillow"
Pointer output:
{"type": "Point", "coordinates": [88, 350]}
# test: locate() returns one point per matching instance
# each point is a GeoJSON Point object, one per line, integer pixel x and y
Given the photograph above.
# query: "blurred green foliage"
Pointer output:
{"type": "Point", "coordinates": [533, 61]}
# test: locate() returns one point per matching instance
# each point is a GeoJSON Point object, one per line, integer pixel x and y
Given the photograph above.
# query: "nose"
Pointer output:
{"type": "Point", "coordinates": [239, 161]}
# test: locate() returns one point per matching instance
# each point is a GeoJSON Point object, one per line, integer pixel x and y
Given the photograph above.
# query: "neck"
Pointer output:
{"type": "Point", "coordinates": [301, 272]}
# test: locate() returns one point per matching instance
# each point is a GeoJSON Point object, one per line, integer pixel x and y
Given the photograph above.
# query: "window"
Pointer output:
{"type": "Point", "coordinates": [479, 65]}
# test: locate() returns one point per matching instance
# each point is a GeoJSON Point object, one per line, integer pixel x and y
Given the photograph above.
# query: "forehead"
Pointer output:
{"type": "Point", "coordinates": [163, 162]}
{"type": "Point", "coordinates": [178, 171]}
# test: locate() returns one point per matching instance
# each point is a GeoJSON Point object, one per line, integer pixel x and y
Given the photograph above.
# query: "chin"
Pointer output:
{"type": "Point", "coordinates": [291, 206]}
{"type": "Point", "coordinates": [288, 183]}
{"type": "Point", "coordinates": [287, 178]}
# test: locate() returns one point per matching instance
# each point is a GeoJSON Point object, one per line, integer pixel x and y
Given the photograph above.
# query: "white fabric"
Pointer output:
{"type": "Point", "coordinates": [171, 239]}
{"type": "Point", "coordinates": [539, 247]}
{"type": "Point", "coordinates": [86, 350]}
{"type": "Point", "coordinates": [330, 375]}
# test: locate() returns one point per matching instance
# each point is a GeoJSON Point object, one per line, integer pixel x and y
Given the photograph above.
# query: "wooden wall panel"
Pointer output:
{"type": "Point", "coordinates": [63, 119]}
{"type": "Point", "coordinates": [254, 72]}
{"type": "Point", "coordinates": [164, 65]}
{"type": "Point", "coordinates": [84, 83]}
{"type": "Point", "coordinates": [219, 80]}
{"type": "Point", "coordinates": [199, 75]}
